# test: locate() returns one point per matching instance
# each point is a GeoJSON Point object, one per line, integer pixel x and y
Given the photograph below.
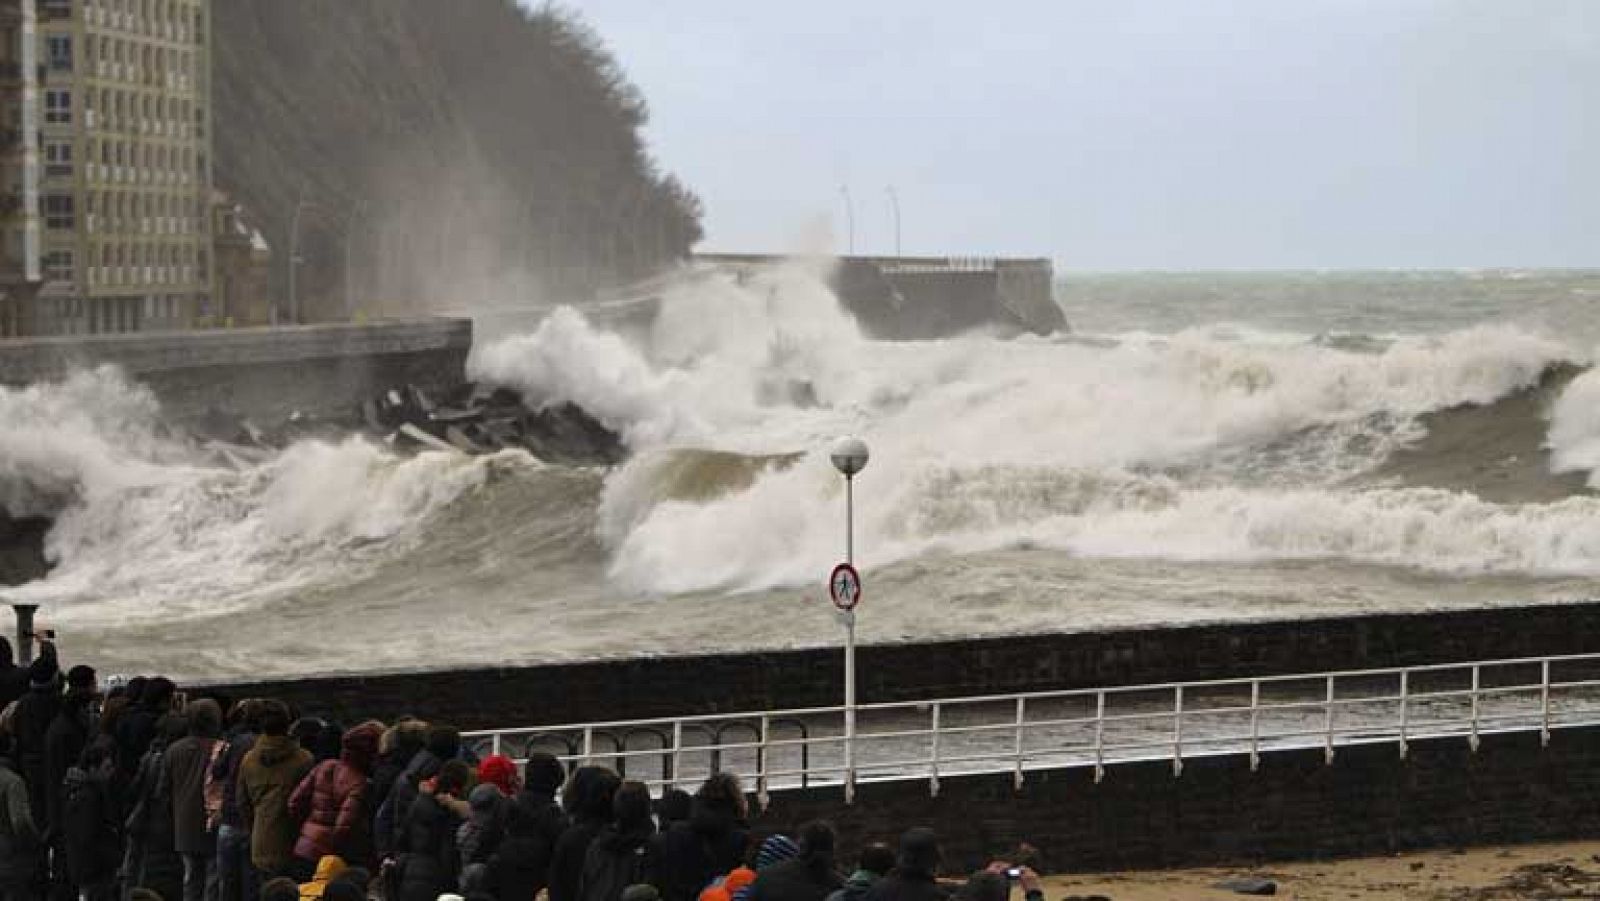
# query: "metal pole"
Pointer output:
{"type": "Point", "coordinates": [349, 237]}
{"type": "Point", "coordinates": [894, 206]}
{"type": "Point", "coordinates": [849, 217]}
{"type": "Point", "coordinates": [849, 649]}
{"type": "Point", "coordinates": [294, 260]}
{"type": "Point", "coordinates": [24, 632]}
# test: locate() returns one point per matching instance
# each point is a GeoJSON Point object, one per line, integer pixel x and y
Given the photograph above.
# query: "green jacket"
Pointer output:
{"type": "Point", "coordinates": [267, 777]}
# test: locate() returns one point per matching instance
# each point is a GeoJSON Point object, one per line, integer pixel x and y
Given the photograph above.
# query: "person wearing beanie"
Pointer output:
{"type": "Point", "coordinates": [499, 771]}
{"type": "Point", "coordinates": [331, 802]}
{"type": "Point", "coordinates": [185, 766]}
{"type": "Point", "coordinates": [443, 744]}
{"type": "Point", "coordinates": [773, 850]}
{"type": "Point", "coordinates": [810, 875]}
{"type": "Point", "coordinates": [520, 867]}
{"type": "Point", "coordinates": [485, 827]}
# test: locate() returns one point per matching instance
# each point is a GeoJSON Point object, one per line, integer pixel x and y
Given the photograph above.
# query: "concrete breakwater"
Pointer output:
{"type": "Point", "coordinates": [319, 370]}
{"type": "Point", "coordinates": [495, 696]}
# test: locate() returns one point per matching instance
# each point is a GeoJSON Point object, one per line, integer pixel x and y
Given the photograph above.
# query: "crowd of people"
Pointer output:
{"type": "Point", "coordinates": [139, 793]}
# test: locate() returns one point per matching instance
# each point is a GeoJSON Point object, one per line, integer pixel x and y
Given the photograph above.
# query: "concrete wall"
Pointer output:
{"type": "Point", "coordinates": [267, 372]}
{"type": "Point", "coordinates": [507, 696]}
{"type": "Point", "coordinates": [1368, 801]}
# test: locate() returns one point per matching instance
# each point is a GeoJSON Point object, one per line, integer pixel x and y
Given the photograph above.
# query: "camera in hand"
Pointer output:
{"type": "Point", "coordinates": [1014, 873]}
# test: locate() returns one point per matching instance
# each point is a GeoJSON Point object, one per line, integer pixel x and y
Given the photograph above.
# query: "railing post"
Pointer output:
{"type": "Point", "coordinates": [1327, 748]}
{"type": "Point", "coordinates": [1177, 731]}
{"type": "Point", "coordinates": [1016, 778]}
{"type": "Point", "coordinates": [677, 752]}
{"type": "Point", "coordinates": [1405, 710]}
{"type": "Point", "coordinates": [1255, 725]}
{"type": "Point", "coordinates": [494, 743]}
{"type": "Point", "coordinates": [588, 745]}
{"type": "Point", "coordinates": [1544, 702]}
{"type": "Point", "coordinates": [1472, 741]}
{"type": "Point", "coordinates": [1099, 736]}
{"type": "Point", "coordinates": [933, 777]}
{"type": "Point", "coordinates": [761, 761]}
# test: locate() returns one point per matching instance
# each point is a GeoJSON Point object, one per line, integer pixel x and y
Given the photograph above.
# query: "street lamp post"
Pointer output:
{"type": "Point", "coordinates": [849, 457]}
{"type": "Point", "coordinates": [894, 207]}
{"type": "Point", "coordinates": [849, 216]}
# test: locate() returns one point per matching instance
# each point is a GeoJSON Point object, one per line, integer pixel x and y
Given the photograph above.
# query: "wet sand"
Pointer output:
{"type": "Point", "coordinates": [1562, 870]}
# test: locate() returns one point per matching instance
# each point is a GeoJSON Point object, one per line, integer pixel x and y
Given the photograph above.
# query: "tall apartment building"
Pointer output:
{"type": "Point", "coordinates": [19, 167]}
{"type": "Point", "coordinates": [123, 155]}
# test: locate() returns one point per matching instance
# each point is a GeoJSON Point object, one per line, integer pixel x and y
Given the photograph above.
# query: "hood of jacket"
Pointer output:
{"type": "Point", "coordinates": [275, 749]}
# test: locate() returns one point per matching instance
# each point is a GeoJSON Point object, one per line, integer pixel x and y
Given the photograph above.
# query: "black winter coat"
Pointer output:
{"type": "Point", "coordinates": [396, 810]}
{"type": "Point", "coordinates": [901, 885]}
{"type": "Point", "coordinates": [20, 846]}
{"type": "Point", "coordinates": [795, 880]}
{"type": "Point", "coordinates": [427, 852]}
{"type": "Point", "coordinates": [63, 743]}
{"type": "Point", "coordinates": [566, 863]}
{"type": "Point", "coordinates": [31, 725]}
{"type": "Point", "coordinates": [615, 861]}
{"type": "Point", "coordinates": [693, 854]}
{"type": "Point", "coordinates": [89, 830]}
{"type": "Point", "coordinates": [520, 868]}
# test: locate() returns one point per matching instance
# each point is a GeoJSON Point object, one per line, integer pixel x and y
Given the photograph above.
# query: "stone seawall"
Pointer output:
{"type": "Point", "coordinates": [1295, 807]}
{"type": "Point", "coordinates": [509, 696]}
{"type": "Point", "coordinates": [324, 370]}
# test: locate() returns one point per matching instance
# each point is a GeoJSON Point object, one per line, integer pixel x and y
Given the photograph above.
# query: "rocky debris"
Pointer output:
{"type": "Point", "coordinates": [1248, 885]}
{"type": "Point", "coordinates": [478, 420]}
{"type": "Point", "coordinates": [1543, 880]}
{"type": "Point", "coordinates": [22, 556]}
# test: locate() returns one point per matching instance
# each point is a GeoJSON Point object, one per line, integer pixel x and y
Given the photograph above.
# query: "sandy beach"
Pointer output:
{"type": "Point", "coordinates": [1564, 870]}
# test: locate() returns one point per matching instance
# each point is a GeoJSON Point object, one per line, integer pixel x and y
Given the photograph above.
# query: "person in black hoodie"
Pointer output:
{"type": "Point", "coordinates": [400, 745]}
{"type": "Point", "coordinates": [812, 876]}
{"type": "Point", "coordinates": [35, 711]}
{"type": "Point", "coordinates": [710, 845]}
{"type": "Point", "coordinates": [64, 742]}
{"type": "Point", "coordinates": [428, 858]}
{"type": "Point", "coordinates": [623, 853]}
{"type": "Point", "coordinates": [520, 868]}
{"type": "Point", "coordinates": [914, 877]}
{"type": "Point", "coordinates": [136, 728]}
{"type": "Point", "coordinates": [153, 859]}
{"type": "Point", "coordinates": [443, 744]}
{"type": "Point", "coordinates": [89, 823]}
{"type": "Point", "coordinates": [588, 800]}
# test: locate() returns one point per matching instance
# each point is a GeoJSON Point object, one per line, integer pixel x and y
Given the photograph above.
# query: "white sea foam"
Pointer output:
{"type": "Point", "coordinates": [147, 525]}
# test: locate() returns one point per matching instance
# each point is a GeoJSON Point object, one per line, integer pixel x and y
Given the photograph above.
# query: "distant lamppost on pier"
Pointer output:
{"type": "Point", "coordinates": [24, 614]}
{"type": "Point", "coordinates": [849, 217]}
{"type": "Point", "coordinates": [894, 210]}
{"type": "Point", "coordinates": [844, 586]}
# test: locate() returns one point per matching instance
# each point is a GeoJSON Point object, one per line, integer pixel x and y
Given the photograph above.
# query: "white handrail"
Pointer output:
{"type": "Point", "coordinates": [932, 739]}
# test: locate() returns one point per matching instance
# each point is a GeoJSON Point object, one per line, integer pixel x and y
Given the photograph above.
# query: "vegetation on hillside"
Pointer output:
{"type": "Point", "coordinates": [472, 150]}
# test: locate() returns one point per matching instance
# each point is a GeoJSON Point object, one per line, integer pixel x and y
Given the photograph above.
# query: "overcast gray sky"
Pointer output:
{"type": "Point", "coordinates": [1123, 134]}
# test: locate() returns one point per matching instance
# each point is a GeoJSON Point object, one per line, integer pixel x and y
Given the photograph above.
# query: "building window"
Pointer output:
{"type": "Point", "coordinates": [58, 159]}
{"type": "Point", "coordinates": [58, 107]}
{"type": "Point", "coordinates": [58, 266]}
{"type": "Point", "coordinates": [56, 9]}
{"type": "Point", "coordinates": [59, 211]}
{"type": "Point", "coordinates": [58, 51]}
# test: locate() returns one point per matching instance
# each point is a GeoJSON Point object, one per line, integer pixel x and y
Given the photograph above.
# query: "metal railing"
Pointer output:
{"type": "Point", "coordinates": [1097, 728]}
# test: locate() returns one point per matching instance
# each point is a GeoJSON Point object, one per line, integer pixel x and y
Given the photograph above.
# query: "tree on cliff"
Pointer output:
{"type": "Point", "coordinates": [468, 147]}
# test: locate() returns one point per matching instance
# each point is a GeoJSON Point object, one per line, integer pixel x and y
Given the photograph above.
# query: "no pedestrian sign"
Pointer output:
{"type": "Point", "coordinates": [844, 586]}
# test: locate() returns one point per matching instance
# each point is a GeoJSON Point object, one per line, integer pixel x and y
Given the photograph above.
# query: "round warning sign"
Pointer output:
{"type": "Point", "coordinates": [844, 586]}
